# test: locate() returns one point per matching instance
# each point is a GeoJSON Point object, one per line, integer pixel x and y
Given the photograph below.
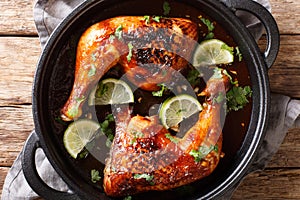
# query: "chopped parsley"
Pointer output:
{"type": "Point", "coordinates": [237, 97]}
{"type": "Point", "coordinates": [193, 77]}
{"type": "Point", "coordinates": [136, 135]}
{"type": "Point", "coordinates": [147, 19]}
{"type": "Point", "coordinates": [160, 92]}
{"type": "Point", "coordinates": [203, 151]}
{"type": "Point", "coordinates": [210, 28]}
{"type": "Point", "coordinates": [228, 48]}
{"type": "Point", "coordinates": [106, 129]}
{"type": "Point", "coordinates": [118, 32]}
{"type": "Point", "coordinates": [128, 198]}
{"type": "Point", "coordinates": [92, 70]}
{"type": "Point", "coordinates": [111, 38]}
{"type": "Point", "coordinates": [219, 98]}
{"type": "Point", "coordinates": [238, 53]}
{"type": "Point", "coordinates": [129, 56]}
{"type": "Point", "coordinates": [156, 18]}
{"type": "Point", "coordinates": [167, 8]}
{"type": "Point", "coordinates": [95, 176]}
{"type": "Point", "coordinates": [148, 177]}
{"type": "Point", "coordinates": [173, 139]}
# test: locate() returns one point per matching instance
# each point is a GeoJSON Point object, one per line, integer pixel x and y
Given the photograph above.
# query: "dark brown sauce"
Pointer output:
{"type": "Point", "coordinates": [235, 126]}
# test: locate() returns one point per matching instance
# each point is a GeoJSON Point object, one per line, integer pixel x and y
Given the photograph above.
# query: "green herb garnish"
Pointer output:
{"type": "Point", "coordinates": [148, 177]}
{"type": "Point", "coordinates": [210, 28]}
{"type": "Point", "coordinates": [147, 19]}
{"type": "Point", "coordinates": [156, 18]}
{"type": "Point", "coordinates": [118, 32]}
{"type": "Point", "coordinates": [105, 128]}
{"type": "Point", "coordinates": [129, 56]}
{"type": "Point", "coordinates": [160, 92]}
{"type": "Point", "coordinates": [136, 135]}
{"type": "Point", "coordinates": [221, 97]}
{"type": "Point", "coordinates": [193, 77]}
{"type": "Point", "coordinates": [167, 8]}
{"type": "Point", "coordinates": [228, 48]}
{"type": "Point", "coordinates": [92, 70]}
{"type": "Point", "coordinates": [237, 97]}
{"type": "Point", "coordinates": [128, 198]}
{"type": "Point", "coordinates": [202, 152]}
{"type": "Point", "coordinates": [238, 53]}
{"type": "Point", "coordinates": [95, 176]}
{"type": "Point", "coordinates": [173, 139]}
{"type": "Point", "coordinates": [208, 23]}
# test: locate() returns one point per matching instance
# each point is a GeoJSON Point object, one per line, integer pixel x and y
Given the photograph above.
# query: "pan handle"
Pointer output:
{"type": "Point", "coordinates": [272, 32]}
{"type": "Point", "coordinates": [32, 176]}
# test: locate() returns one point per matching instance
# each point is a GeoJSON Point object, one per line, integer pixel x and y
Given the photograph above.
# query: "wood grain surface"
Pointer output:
{"type": "Point", "coordinates": [19, 54]}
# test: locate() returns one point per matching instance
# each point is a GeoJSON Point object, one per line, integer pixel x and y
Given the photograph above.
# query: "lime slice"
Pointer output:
{"type": "Point", "coordinates": [78, 134]}
{"type": "Point", "coordinates": [111, 91]}
{"type": "Point", "coordinates": [212, 52]}
{"type": "Point", "coordinates": [177, 108]}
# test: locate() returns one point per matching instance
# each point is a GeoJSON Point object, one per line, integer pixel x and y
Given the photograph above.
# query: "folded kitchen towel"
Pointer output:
{"type": "Point", "coordinates": [284, 113]}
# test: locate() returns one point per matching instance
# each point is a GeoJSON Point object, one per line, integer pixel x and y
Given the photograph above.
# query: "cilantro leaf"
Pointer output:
{"type": "Point", "coordinates": [166, 7]}
{"type": "Point", "coordinates": [203, 151]}
{"type": "Point", "coordinates": [118, 32]}
{"type": "Point", "coordinates": [156, 18]}
{"type": "Point", "coordinates": [148, 177]}
{"type": "Point", "coordinates": [238, 53]}
{"type": "Point", "coordinates": [193, 77]}
{"type": "Point", "coordinates": [95, 176]}
{"type": "Point", "coordinates": [208, 23]}
{"type": "Point", "coordinates": [160, 92]}
{"type": "Point", "coordinates": [237, 97]}
{"type": "Point", "coordinates": [173, 139]}
{"type": "Point", "coordinates": [129, 56]}
{"type": "Point", "coordinates": [147, 19]}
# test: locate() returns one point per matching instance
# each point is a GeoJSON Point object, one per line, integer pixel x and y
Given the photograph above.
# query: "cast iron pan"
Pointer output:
{"type": "Point", "coordinates": [53, 75]}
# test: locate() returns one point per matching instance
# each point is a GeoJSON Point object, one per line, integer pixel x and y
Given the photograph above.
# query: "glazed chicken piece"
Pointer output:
{"type": "Point", "coordinates": [144, 156]}
{"type": "Point", "coordinates": [146, 48]}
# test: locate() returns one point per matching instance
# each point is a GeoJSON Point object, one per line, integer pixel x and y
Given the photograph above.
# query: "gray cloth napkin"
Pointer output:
{"type": "Point", "coordinates": [284, 113]}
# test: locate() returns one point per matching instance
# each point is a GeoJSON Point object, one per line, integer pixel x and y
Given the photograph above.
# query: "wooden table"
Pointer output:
{"type": "Point", "coordinates": [19, 52]}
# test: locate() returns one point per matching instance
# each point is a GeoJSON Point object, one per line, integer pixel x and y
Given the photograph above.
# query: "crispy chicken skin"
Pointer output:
{"type": "Point", "coordinates": [144, 48]}
{"type": "Point", "coordinates": [144, 156]}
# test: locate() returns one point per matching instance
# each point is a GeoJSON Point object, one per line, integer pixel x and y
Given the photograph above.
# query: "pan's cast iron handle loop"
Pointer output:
{"type": "Point", "coordinates": [269, 23]}
{"type": "Point", "coordinates": [32, 176]}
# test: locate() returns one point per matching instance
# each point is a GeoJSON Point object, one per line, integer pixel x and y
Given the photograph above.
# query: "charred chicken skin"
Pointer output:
{"type": "Point", "coordinates": [145, 49]}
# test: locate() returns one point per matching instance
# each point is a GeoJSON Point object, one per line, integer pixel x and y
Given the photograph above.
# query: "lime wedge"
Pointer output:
{"type": "Point", "coordinates": [111, 91]}
{"type": "Point", "coordinates": [78, 134]}
{"type": "Point", "coordinates": [212, 52]}
{"type": "Point", "coordinates": [177, 108]}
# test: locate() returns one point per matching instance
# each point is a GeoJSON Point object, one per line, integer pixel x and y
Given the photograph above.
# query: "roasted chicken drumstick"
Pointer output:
{"type": "Point", "coordinates": [146, 48]}
{"type": "Point", "coordinates": [144, 156]}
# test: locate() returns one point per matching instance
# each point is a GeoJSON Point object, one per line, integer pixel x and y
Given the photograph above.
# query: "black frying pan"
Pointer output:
{"type": "Point", "coordinates": [54, 76]}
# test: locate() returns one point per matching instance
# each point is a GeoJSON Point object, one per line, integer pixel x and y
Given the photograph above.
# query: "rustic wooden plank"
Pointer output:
{"type": "Point", "coordinates": [18, 59]}
{"type": "Point", "coordinates": [287, 15]}
{"type": "Point", "coordinates": [16, 16]}
{"type": "Point", "coordinates": [284, 75]}
{"type": "Point", "coordinates": [289, 151]}
{"type": "Point", "coordinates": [3, 172]}
{"type": "Point", "coordinates": [16, 123]}
{"type": "Point", "coordinates": [270, 184]}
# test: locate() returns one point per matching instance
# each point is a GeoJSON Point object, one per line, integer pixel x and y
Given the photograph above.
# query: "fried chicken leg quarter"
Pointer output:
{"type": "Point", "coordinates": [144, 156]}
{"type": "Point", "coordinates": [144, 47]}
